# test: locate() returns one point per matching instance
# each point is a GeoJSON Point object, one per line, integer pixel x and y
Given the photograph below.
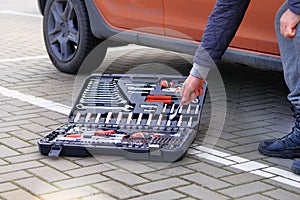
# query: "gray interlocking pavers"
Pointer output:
{"type": "Point", "coordinates": [14, 176]}
{"type": "Point", "coordinates": [6, 152]}
{"type": "Point", "coordinates": [209, 169]}
{"type": "Point", "coordinates": [24, 158]}
{"type": "Point", "coordinates": [117, 190]}
{"type": "Point", "coordinates": [125, 177]}
{"type": "Point", "coordinates": [166, 195]}
{"type": "Point", "coordinates": [75, 193]}
{"type": "Point", "coordinates": [80, 181]}
{"type": "Point", "coordinates": [201, 192]}
{"type": "Point", "coordinates": [95, 168]}
{"type": "Point", "coordinates": [246, 189]}
{"type": "Point", "coordinates": [255, 196]}
{"type": "Point", "coordinates": [241, 178]}
{"type": "Point", "coordinates": [14, 143]}
{"type": "Point", "coordinates": [282, 194]}
{"type": "Point", "coordinates": [18, 194]}
{"type": "Point", "coordinates": [60, 164]}
{"type": "Point", "coordinates": [206, 181]}
{"type": "Point", "coordinates": [36, 186]}
{"type": "Point", "coordinates": [48, 174]}
{"type": "Point", "coordinates": [161, 185]}
{"type": "Point", "coordinates": [167, 173]}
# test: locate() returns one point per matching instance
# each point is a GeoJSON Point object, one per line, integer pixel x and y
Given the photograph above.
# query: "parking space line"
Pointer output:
{"type": "Point", "coordinates": [50, 105]}
{"type": "Point", "coordinates": [23, 58]}
{"type": "Point", "coordinates": [11, 12]}
{"type": "Point", "coordinates": [226, 159]}
{"type": "Point", "coordinates": [263, 170]}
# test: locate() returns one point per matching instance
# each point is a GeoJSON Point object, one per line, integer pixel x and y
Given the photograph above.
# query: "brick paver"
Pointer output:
{"type": "Point", "coordinates": [257, 109]}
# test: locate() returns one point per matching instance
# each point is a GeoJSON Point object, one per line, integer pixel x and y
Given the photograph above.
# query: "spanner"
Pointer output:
{"type": "Point", "coordinates": [124, 108]}
{"type": "Point", "coordinates": [102, 90]}
{"type": "Point", "coordinates": [102, 101]}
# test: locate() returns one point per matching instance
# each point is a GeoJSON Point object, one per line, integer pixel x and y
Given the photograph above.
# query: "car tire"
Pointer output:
{"type": "Point", "coordinates": [67, 34]}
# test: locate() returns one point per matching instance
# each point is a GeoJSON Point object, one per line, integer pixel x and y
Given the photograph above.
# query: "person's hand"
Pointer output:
{"type": "Point", "coordinates": [191, 89]}
{"type": "Point", "coordinates": [288, 23]}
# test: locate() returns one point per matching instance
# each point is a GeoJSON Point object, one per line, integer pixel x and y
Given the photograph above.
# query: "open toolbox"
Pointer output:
{"type": "Point", "coordinates": [135, 116]}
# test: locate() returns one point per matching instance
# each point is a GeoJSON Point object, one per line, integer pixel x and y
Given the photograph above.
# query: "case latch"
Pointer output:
{"type": "Point", "coordinates": [155, 150]}
{"type": "Point", "coordinates": [55, 150]}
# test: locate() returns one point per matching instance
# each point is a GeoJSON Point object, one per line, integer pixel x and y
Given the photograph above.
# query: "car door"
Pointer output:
{"type": "Point", "coordinates": [255, 34]}
{"type": "Point", "coordinates": [133, 14]}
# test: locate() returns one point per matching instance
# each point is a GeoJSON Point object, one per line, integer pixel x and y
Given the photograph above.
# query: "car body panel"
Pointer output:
{"type": "Point", "coordinates": [256, 32]}
{"type": "Point", "coordinates": [133, 14]}
{"type": "Point", "coordinates": [188, 19]}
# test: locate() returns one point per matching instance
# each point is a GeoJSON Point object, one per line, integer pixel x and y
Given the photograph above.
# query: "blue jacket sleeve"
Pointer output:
{"type": "Point", "coordinates": [221, 27]}
{"type": "Point", "coordinates": [294, 6]}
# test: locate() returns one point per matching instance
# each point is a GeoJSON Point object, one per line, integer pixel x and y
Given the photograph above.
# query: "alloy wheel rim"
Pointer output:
{"type": "Point", "coordinates": [63, 30]}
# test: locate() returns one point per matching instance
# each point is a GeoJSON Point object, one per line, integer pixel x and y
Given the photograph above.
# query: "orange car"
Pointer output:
{"type": "Point", "coordinates": [72, 28]}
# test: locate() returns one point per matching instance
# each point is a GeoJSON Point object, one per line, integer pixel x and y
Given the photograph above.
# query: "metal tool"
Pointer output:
{"type": "Point", "coordinates": [119, 118]}
{"type": "Point", "coordinates": [172, 109]}
{"type": "Point", "coordinates": [88, 117]}
{"type": "Point", "coordinates": [101, 86]}
{"type": "Point", "coordinates": [164, 109]}
{"type": "Point", "coordinates": [140, 85]}
{"type": "Point", "coordinates": [173, 89]}
{"type": "Point", "coordinates": [95, 101]}
{"type": "Point", "coordinates": [97, 117]}
{"type": "Point", "coordinates": [149, 119]}
{"type": "Point", "coordinates": [102, 96]}
{"type": "Point", "coordinates": [148, 106]}
{"type": "Point", "coordinates": [108, 117]}
{"type": "Point", "coordinates": [129, 118]}
{"type": "Point", "coordinates": [190, 122]}
{"type": "Point", "coordinates": [159, 98]}
{"type": "Point", "coordinates": [159, 119]}
{"type": "Point", "coordinates": [108, 95]}
{"type": "Point", "coordinates": [125, 108]}
{"type": "Point", "coordinates": [180, 120]}
{"type": "Point", "coordinates": [188, 110]}
{"type": "Point", "coordinates": [141, 88]}
{"type": "Point", "coordinates": [77, 117]}
{"type": "Point", "coordinates": [139, 118]}
{"type": "Point", "coordinates": [173, 115]}
{"type": "Point", "coordinates": [138, 92]}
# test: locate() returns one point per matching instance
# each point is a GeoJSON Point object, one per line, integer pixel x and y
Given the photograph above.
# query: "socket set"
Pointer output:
{"type": "Point", "coordinates": [135, 116]}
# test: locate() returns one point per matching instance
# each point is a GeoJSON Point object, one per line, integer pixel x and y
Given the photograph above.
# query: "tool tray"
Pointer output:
{"type": "Point", "coordinates": [128, 115]}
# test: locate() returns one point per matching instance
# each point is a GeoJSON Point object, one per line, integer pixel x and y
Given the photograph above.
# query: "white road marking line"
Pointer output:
{"type": "Point", "coordinates": [226, 159]}
{"type": "Point", "coordinates": [263, 170]}
{"type": "Point", "coordinates": [23, 58]}
{"type": "Point", "coordinates": [11, 12]}
{"type": "Point", "coordinates": [50, 105]}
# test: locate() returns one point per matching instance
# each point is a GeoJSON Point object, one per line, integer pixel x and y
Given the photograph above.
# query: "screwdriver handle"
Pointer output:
{"type": "Point", "coordinates": [155, 97]}
{"type": "Point", "coordinates": [159, 100]}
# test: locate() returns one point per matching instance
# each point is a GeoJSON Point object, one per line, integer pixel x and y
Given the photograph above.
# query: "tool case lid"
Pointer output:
{"type": "Point", "coordinates": [102, 95]}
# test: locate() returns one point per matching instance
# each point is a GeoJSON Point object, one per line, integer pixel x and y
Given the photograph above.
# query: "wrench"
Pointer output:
{"type": "Point", "coordinates": [101, 90]}
{"type": "Point", "coordinates": [125, 108]}
{"type": "Point", "coordinates": [103, 97]}
{"type": "Point", "coordinates": [140, 88]}
{"type": "Point", "coordinates": [103, 101]}
{"type": "Point", "coordinates": [101, 86]}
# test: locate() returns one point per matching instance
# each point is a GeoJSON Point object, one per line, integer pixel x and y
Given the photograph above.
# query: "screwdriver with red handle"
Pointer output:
{"type": "Point", "coordinates": [159, 98]}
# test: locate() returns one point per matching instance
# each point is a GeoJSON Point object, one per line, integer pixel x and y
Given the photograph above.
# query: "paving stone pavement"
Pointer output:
{"type": "Point", "coordinates": [231, 168]}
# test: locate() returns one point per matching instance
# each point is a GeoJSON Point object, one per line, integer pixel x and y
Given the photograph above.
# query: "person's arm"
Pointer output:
{"type": "Point", "coordinates": [290, 19]}
{"type": "Point", "coordinates": [221, 27]}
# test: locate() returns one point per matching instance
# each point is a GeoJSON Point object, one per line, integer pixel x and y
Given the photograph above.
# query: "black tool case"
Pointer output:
{"type": "Point", "coordinates": [128, 115]}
